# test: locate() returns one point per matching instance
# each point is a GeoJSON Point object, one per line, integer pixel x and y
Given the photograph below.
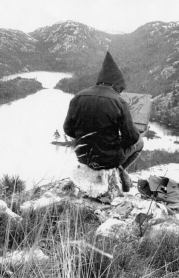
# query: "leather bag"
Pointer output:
{"type": "Point", "coordinates": [167, 190]}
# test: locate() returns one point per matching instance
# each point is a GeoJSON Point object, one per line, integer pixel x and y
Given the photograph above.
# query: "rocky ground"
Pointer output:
{"type": "Point", "coordinates": [114, 213]}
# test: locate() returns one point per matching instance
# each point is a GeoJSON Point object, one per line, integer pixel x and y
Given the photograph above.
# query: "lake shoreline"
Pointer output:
{"type": "Point", "coordinates": [58, 87]}
{"type": "Point", "coordinates": [18, 88]}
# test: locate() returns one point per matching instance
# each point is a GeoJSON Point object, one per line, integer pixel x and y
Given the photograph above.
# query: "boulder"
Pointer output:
{"type": "Point", "coordinates": [19, 258]}
{"type": "Point", "coordinates": [97, 183]}
{"type": "Point", "coordinates": [111, 228]}
{"type": "Point", "coordinates": [45, 200]}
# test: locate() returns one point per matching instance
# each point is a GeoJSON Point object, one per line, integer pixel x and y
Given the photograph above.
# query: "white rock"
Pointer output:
{"type": "Point", "coordinates": [117, 201]}
{"type": "Point", "coordinates": [101, 215]}
{"type": "Point", "coordinates": [46, 200]}
{"type": "Point", "coordinates": [48, 194]}
{"type": "Point", "coordinates": [159, 213]}
{"type": "Point", "coordinates": [110, 226]}
{"type": "Point", "coordinates": [177, 216]}
{"type": "Point", "coordinates": [5, 210]}
{"type": "Point", "coordinates": [3, 206]}
{"type": "Point", "coordinates": [94, 183]}
{"type": "Point", "coordinates": [18, 258]}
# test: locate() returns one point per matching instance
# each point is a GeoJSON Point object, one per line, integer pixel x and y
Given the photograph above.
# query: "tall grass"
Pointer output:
{"type": "Point", "coordinates": [66, 233]}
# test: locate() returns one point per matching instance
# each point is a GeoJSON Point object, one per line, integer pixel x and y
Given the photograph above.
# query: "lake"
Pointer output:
{"type": "Point", "coordinates": [27, 128]}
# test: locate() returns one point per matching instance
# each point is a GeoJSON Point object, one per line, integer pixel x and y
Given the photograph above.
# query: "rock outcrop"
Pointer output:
{"type": "Point", "coordinates": [124, 210]}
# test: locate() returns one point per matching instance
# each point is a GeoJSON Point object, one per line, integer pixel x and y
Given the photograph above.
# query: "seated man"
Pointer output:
{"type": "Point", "coordinates": [101, 123]}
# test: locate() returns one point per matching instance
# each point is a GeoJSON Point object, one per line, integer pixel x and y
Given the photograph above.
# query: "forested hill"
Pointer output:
{"type": "Point", "coordinates": [148, 57]}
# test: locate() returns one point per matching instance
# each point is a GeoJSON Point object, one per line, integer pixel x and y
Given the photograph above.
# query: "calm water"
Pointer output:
{"type": "Point", "coordinates": [27, 127]}
{"type": "Point", "coordinates": [166, 140]}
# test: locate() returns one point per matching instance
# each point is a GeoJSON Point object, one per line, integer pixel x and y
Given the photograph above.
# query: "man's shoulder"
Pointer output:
{"type": "Point", "coordinates": [88, 91]}
{"type": "Point", "coordinates": [100, 91]}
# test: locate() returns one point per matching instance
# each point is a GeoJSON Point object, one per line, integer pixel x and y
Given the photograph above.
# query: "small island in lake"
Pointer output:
{"type": "Point", "coordinates": [18, 88]}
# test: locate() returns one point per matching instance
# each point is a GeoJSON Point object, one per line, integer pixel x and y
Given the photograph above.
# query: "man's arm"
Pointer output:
{"type": "Point", "coordinates": [69, 125]}
{"type": "Point", "coordinates": [129, 132]}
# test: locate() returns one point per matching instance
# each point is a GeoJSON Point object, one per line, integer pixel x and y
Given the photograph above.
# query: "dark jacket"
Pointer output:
{"type": "Point", "coordinates": [100, 121]}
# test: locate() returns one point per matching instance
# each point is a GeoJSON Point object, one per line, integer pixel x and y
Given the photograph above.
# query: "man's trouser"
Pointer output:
{"type": "Point", "coordinates": [131, 153]}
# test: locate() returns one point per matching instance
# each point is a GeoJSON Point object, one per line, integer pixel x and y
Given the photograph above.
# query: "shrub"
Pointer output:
{"type": "Point", "coordinates": [10, 185]}
{"type": "Point", "coordinates": [11, 191]}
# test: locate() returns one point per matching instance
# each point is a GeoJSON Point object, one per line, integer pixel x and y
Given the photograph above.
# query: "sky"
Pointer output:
{"type": "Point", "coordinates": [106, 15]}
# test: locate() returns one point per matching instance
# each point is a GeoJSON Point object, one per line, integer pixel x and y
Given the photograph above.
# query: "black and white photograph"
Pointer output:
{"type": "Point", "coordinates": [89, 138]}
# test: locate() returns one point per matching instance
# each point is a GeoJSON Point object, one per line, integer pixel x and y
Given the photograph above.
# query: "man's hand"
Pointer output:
{"type": "Point", "coordinates": [142, 134]}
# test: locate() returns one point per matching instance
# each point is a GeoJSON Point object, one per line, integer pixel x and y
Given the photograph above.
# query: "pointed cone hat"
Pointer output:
{"type": "Point", "coordinates": [111, 74]}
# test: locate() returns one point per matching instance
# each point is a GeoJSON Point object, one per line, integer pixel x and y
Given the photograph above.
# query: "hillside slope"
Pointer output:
{"type": "Point", "coordinates": [17, 51]}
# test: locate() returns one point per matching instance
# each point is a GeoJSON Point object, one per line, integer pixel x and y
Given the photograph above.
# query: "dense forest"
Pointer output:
{"type": "Point", "coordinates": [165, 109]}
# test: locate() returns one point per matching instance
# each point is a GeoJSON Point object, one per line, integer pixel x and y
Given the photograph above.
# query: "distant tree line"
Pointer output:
{"type": "Point", "coordinates": [18, 88]}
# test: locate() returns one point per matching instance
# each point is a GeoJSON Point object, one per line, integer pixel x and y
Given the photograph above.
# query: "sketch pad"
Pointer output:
{"type": "Point", "coordinates": [140, 107]}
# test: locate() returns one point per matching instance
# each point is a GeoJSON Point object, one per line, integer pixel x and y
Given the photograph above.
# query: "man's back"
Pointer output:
{"type": "Point", "coordinates": [100, 120]}
{"type": "Point", "coordinates": [101, 123]}
{"type": "Point", "coordinates": [95, 109]}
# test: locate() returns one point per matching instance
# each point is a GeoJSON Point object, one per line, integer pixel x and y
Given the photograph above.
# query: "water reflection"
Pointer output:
{"type": "Point", "coordinates": [165, 138]}
{"type": "Point", "coordinates": [27, 127]}
{"type": "Point", "coordinates": [163, 129]}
